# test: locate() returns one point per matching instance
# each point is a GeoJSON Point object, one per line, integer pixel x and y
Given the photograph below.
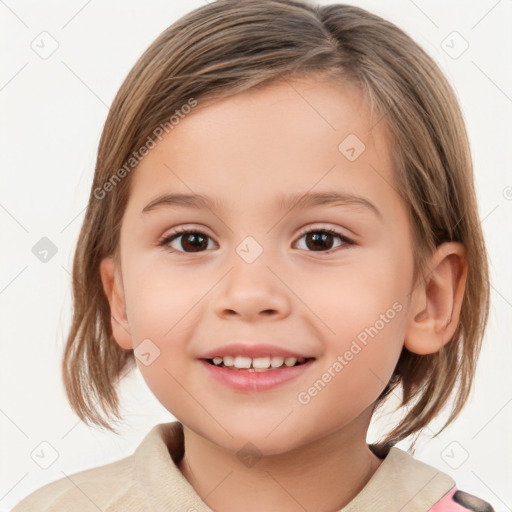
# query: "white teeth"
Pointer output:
{"type": "Point", "coordinates": [242, 362]}
{"type": "Point", "coordinates": [258, 364]}
{"type": "Point", "coordinates": [261, 362]}
{"type": "Point", "coordinates": [276, 362]}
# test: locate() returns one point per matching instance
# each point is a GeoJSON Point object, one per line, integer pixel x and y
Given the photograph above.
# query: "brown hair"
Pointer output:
{"type": "Point", "coordinates": [231, 46]}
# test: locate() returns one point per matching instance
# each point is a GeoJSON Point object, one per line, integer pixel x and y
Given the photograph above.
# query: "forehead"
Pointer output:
{"type": "Point", "coordinates": [288, 137]}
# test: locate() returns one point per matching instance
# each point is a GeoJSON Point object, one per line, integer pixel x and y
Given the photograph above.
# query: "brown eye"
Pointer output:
{"type": "Point", "coordinates": [322, 240]}
{"type": "Point", "coordinates": [191, 241]}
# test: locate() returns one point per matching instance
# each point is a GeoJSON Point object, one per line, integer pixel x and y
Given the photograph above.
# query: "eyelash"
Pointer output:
{"type": "Point", "coordinates": [181, 231]}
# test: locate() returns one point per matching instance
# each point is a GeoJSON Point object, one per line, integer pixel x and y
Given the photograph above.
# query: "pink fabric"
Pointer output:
{"type": "Point", "coordinates": [446, 504]}
{"type": "Point", "coordinates": [460, 501]}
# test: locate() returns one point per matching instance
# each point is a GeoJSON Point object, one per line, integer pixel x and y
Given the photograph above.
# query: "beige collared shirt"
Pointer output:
{"type": "Point", "coordinates": [150, 480]}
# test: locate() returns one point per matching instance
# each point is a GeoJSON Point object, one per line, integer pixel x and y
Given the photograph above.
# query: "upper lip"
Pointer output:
{"type": "Point", "coordinates": [252, 350]}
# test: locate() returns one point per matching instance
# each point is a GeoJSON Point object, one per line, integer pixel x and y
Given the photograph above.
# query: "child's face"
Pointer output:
{"type": "Point", "coordinates": [247, 153]}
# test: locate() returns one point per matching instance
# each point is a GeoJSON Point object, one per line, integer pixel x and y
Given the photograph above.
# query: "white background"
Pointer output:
{"type": "Point", "coordinates": [53, 111]}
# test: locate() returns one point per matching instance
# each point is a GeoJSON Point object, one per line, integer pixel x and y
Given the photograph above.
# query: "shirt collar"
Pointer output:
{"type": "Point", "coordinates": [400, 483]}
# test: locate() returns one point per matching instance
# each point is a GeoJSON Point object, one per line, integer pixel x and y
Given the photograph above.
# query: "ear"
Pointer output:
{"type": "Point", "coordinates": [112, 286]}
{"type": "Point", "coordinates": [437, 300]}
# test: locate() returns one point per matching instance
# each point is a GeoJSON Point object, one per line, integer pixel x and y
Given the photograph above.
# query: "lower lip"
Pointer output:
{"type": "Point", "coordinates": [243, 380]}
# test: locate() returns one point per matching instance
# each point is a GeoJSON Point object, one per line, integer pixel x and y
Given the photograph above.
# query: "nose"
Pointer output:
{"type": "Point", "coordinates": [251, 291]}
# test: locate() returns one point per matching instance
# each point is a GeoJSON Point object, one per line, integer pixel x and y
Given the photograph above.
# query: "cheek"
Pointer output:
{"type": "Point", "coordinates": [160, 296]}
{"type": "Point", "coordinates": [363, 309]}
{"type": "Point", "coordinates": [162, 305]}
{"type": "Point", "coordinates": [350, 297]}
{"type": "Point", "coordinates": [358, 363]}
{"type": "Point", "coordinates": [161, 321]}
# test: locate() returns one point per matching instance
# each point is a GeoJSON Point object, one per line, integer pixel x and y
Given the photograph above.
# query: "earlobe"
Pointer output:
{"type": "Point", "coordinates": [114, 292]}
{"type": "Point", "coordinates": [437, 300]}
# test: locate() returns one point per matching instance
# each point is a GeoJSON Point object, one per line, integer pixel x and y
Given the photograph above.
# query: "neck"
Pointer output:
{"type": "Point", "coordinates": [324, 475]}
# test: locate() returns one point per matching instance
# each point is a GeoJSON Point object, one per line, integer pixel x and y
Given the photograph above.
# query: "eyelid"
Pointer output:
{"type": "Point", "coordinates": [181, 230]}
{"type": "Point", "coordinates": [312, 227]}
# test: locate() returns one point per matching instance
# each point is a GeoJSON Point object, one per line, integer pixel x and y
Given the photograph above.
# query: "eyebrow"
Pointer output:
{"type": "Point", "coordinates": [287, 202]}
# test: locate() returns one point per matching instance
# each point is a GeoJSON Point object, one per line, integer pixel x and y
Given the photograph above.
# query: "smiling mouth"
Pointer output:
{"type": "Point", "coordinates": [258, 364]}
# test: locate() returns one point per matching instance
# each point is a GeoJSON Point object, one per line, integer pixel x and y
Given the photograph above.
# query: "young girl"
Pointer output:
{"type": "Point", "coordinates": [281, 233]}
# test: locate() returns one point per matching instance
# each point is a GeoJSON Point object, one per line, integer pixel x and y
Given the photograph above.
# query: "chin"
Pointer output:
{"type": "Point", "coordinates": [257, 447]}
{"type": "Point", "coordinates": [262, 439]}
